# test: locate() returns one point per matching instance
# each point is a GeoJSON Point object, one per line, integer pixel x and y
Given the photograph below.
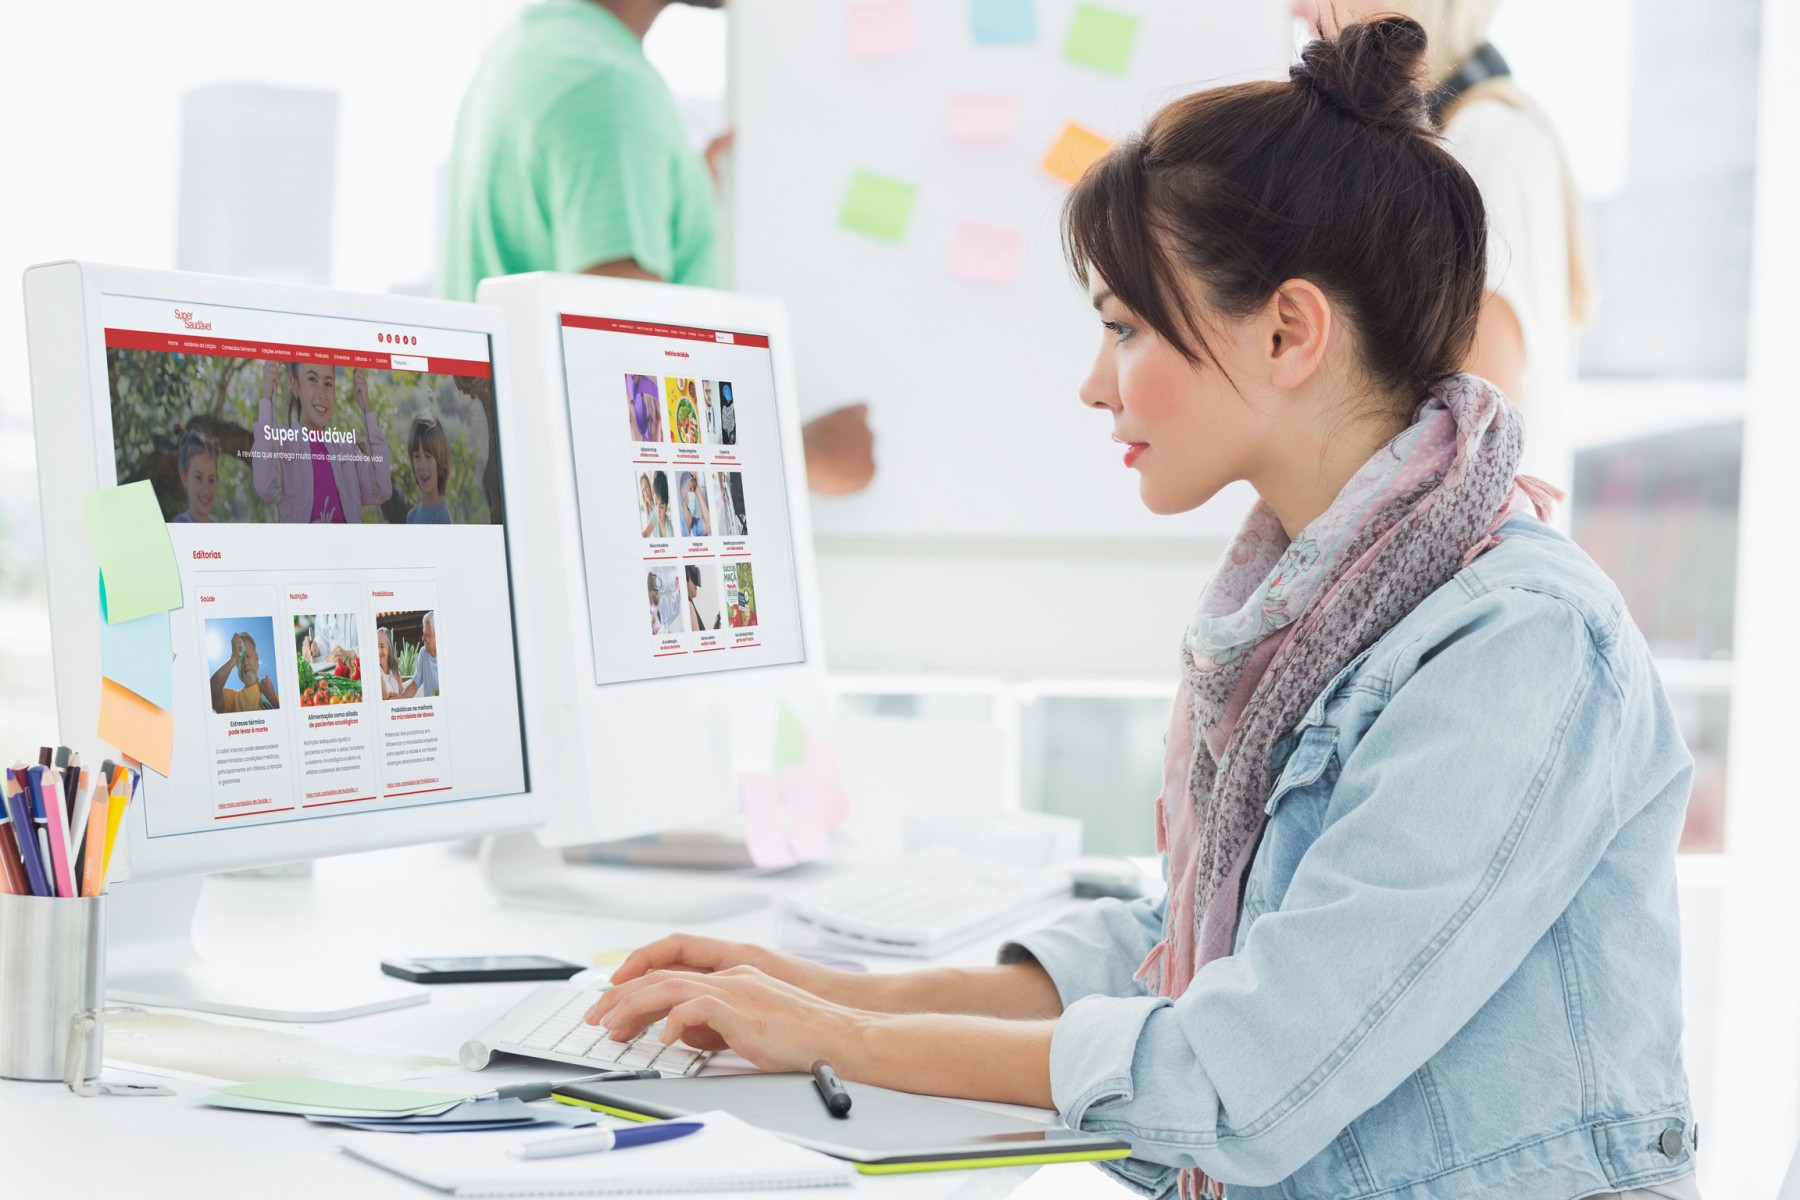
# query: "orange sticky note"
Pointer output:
{"type": "Point", "coordinates": [136, 726]}
{"type": "Point", "coordinates": [1073, 152]}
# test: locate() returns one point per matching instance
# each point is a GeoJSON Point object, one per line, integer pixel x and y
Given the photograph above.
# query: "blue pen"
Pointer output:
{"type": "Point", "coordinates": [595, 1140]}
{"type": "Point", "coordinates": [18, 807]}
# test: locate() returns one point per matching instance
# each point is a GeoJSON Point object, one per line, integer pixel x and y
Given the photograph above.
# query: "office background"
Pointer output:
{"type": "Point", "coordinates": [1034, 670]}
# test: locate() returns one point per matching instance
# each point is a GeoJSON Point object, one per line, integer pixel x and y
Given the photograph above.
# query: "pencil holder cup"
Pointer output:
{"type": "Point", "coordinates": [52, 966]}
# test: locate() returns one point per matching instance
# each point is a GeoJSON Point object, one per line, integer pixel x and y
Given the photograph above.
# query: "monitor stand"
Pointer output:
{"type": "Point", "coordinates": [151, 959]}
{"type": "Point", "coordinates": [521, 870]}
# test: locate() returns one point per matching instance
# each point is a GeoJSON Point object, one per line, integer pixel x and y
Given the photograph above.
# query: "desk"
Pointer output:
{"type": "Point", "coordinates": [349, 914]}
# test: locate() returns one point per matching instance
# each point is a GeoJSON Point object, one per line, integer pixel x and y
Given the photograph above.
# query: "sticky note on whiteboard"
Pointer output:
{"type": "Point", "coordinates": [983, 118]}
{"type": "Point", "coordinates": [1101, 38]}
{"type": "Point", "coordinates": [877, 206]}
{"type": "Point", "coordinates": [882, 28]}
{"type": "Point", "coordinates": [986, 253]}
{"type": "Point", "coordinates": [1073, 152]}
{"type": "Point", "coordinates": [1003, 22]}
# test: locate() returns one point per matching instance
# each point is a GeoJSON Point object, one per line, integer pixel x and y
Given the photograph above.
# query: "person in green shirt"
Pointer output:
{"type": "Point", "coordinates": [570, 155]}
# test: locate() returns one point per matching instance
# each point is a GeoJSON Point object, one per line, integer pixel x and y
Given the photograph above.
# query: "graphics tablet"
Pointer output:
{"type": "Point", "coordinates": [886, 1132]}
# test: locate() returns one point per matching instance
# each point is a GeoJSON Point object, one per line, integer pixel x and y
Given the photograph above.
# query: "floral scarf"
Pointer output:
{"type": "Point", "coordinates": [1280, 619]}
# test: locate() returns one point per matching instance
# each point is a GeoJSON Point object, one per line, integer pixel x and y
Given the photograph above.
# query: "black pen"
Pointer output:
{"type": "Point", "coordinates": [831, 1089]}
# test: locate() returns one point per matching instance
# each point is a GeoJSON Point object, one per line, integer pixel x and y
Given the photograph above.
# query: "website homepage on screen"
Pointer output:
{"type": "Point", "coordinates": [685, 535]}
{"type": "Point", "coordinates": [332, 490]}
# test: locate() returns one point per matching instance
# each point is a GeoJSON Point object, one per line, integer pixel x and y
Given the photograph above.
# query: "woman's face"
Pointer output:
{"type": "Point", "coordinates": [644, 493]}
{"type": "Point", "coordinates": [1185, 429]}
{"type": "Point", "coordinates": [385, 649]}
{"type": "Point", "coordinates": [201, 479]}
{"type": "Point", "coordinates": [317, 388]}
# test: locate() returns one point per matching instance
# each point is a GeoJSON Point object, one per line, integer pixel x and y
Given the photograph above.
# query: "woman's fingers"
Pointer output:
{"type": "Point", "coordinates": [678, 950]}
{"type": "Point", "coordinates": [628, 1010]}
{"type": "Point", "coordinates": [704, 1019]}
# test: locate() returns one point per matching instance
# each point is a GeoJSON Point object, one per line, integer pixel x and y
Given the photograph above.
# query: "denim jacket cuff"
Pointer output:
{"type": "Point", "coordinates": [1082, 954]}
{"type": "Point", "coordinates": [1091, 1055]}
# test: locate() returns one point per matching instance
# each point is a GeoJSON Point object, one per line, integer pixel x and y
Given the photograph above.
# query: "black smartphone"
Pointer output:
{"type": "Point", "coordinates": [500, 968]}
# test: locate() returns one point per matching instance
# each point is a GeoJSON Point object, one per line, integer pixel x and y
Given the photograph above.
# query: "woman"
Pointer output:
{"type": "Point", "coordinates": [1538, 280]}
{"type": "Point", "coordinates": [1422, 788]}
{"type": "Point", "coordinates": [390, 668]}
{"type": "Point", "coordinates": [696, 514]}
{"type": "Point", "coordinates": [312, 473]}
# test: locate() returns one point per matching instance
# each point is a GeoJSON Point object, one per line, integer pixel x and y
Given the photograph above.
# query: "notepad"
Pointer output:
{"type": "Point", "coordinates": [726, 1156]}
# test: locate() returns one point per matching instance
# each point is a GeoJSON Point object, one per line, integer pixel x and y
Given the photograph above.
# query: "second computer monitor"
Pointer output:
{"type": "Point", "coordinates": [670, 487]}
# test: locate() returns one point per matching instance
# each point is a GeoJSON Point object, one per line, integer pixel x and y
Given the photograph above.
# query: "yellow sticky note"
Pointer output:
{"type": "Point", "coordinates": [606, 958]}
{"type": "Point", "coordinates": [137, 561]}
{"type": "Point", "coordinates": [877, 206]}
{"type": "Point", "coordinates": [136, 726]}
{"type": "Point", "coordinates": [1073, 152]}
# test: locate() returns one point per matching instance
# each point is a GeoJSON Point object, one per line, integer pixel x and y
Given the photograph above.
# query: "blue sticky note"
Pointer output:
{"type": "Point", "coordinates": [1003, 22]}
{"type": "Point", "coordinates": [138, 656]}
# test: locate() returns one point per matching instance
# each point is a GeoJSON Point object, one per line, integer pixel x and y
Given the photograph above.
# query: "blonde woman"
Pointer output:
{"type": "Point", "coordinates": [1539, 288]}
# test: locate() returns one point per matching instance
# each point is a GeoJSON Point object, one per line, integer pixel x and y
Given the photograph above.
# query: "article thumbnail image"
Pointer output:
{"type": "Point", "coordinates": [328, 659]}
{"type": "Point", "coordinates": [684, 410]}
{"type": "Point", "coordinates": [644, 408]}
{"type": "Point", "coordinates": [728, 488]}
{"type": "Point", "coordinates": [740, 596]}
{"type": "Point", "coordinates": [653, 504]}
{"type": "Point", "coordinates": [663, 585]}
{"type": "Point", "coordinates": [240, 664]}
{"type": "Point", "coordinates": [696, 510]}
{"type": "Point", "coordinates": [406, 644]}
{"type": "Point", "coordinates": [705, 597]}
{"type": "Point", "coordinates": [709, 411]}
{"type": "Point", "coordinates": [727, 416]}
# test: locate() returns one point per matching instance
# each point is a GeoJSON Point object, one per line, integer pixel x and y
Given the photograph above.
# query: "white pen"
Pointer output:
{"type": "Point", "coordinates": [594, 1141]}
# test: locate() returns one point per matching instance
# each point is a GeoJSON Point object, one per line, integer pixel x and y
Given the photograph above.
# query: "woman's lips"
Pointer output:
{"type": "Point", "coordinates": [1133, 449]}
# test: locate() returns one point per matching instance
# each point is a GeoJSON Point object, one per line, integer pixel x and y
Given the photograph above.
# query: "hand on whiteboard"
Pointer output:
{"type": "Point", "coordinates": [840, 451]}
{"type": "Point", "coordinates": [717, 149]}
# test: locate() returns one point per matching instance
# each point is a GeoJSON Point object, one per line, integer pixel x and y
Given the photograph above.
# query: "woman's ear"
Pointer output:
{"type": "Point", "coordinates": [1299, 323]}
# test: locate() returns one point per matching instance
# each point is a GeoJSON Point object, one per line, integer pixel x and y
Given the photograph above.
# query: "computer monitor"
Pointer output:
{"type": "Point", "coordinates": [668, 477]}
{"type": "Point", "coordinates": [333, 470]}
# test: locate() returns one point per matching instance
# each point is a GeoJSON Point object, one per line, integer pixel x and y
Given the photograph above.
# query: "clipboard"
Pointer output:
{"type": "Point", "coordinates": [885, 1133]}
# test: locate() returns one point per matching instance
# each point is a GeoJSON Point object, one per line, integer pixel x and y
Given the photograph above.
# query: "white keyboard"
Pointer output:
{"type": "Point", "coordinates": [548, 1024]}
{"type": "Point", "coordinates": [923, 903]}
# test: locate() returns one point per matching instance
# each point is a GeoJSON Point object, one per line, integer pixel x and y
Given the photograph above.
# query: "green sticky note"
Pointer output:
{"type": "Point", "coordinates": [137, 561]}
{"type": "Point", "coordinates": [304, 1093]}
{"type": "Point", "coordinates": [1101, 38]}
{"type": "Point", "coordinates": [790, 739]}
{"type": "Point", "coordinates": [877, 206]}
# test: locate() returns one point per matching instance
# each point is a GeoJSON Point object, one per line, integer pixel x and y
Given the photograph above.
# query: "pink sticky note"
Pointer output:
{"type": "Point", "coordinates": [880, 28]}
{"type": "Point", "coordinates": [983, 118]}
{"type": "Point", "coordinates": [763, 835]}
{"type": "Point", "coordinates": [986, 253]}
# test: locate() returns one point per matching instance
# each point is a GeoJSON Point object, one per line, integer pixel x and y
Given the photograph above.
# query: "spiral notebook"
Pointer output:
{"type": "Point", "coordinates": [726, 1156]}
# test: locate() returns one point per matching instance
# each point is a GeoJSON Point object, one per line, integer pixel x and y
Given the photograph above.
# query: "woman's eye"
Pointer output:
{"type": "Point", "coordinates": [1119, 331]}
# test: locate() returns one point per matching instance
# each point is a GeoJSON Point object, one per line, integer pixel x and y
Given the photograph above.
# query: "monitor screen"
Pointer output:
{"type": "Point", "coordinates": [685, 535]}
{"type": "Point", "coordinates": [332, 489]}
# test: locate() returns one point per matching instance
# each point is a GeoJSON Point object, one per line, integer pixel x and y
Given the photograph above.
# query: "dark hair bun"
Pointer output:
{"type": "Point", "coordinates": [1371, 71]}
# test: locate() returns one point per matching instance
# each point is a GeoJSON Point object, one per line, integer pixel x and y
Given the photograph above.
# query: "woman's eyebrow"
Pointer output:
{"type": "Point", "coordinates": [1101, 297]}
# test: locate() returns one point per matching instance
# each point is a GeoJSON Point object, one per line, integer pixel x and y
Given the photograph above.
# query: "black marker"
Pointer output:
{"type": "Point", "coordinates": [831, 1089]}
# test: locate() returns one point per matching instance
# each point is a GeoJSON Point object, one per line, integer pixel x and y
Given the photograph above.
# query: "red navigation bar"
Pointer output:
{"type": "Point", "coordinates": [652, 329]}
{"type": "Point", "coordinates": [187, 343]}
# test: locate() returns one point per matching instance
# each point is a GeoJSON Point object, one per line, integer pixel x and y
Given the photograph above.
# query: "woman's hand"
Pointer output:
{"type": "Point", "coordinates": [704, 955]}
{"type": "Point", "coordinates": [359, 387]}
{"type": "Point", "coordinates": [774, 1024]}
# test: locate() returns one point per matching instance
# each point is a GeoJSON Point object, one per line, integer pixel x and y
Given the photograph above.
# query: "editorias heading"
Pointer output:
{"type": "Point", "coordinates": [337, 436]}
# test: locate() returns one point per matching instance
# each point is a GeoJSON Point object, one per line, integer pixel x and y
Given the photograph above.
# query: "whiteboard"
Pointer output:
{"type": "Point", "coordinates": [972, 386]}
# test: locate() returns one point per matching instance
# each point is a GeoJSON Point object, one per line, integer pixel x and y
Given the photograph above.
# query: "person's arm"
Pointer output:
{"type": "Point", "coordinates": [220, 676]}
{"type": "Point", "coordinates": [376, 473]}
{"type": "Point", "coordinates": [1498, 355]}
{"type": "Point", "coordinates": [267, 687]}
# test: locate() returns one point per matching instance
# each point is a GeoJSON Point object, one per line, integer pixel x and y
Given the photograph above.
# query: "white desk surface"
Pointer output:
{"type": "Point", "coordinates": [349, 914]}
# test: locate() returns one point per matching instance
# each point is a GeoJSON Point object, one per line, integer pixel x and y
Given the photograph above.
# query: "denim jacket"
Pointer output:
{"type": "Point", "coordinates": [1457, 973]}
